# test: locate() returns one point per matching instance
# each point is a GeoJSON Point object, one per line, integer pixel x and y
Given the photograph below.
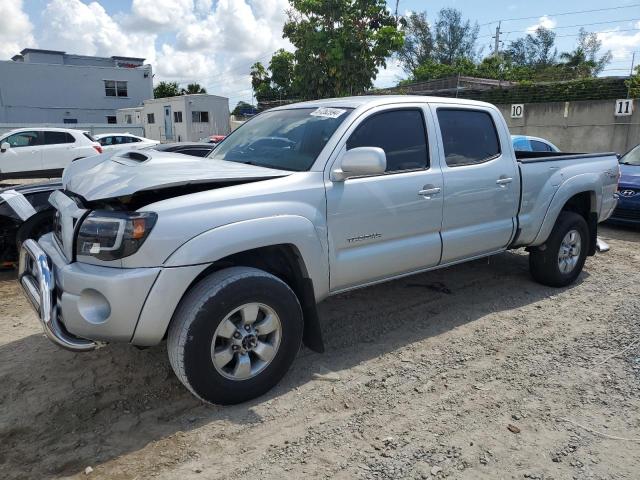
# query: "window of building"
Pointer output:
{"type": "Point", "coordinates": [128, 119]}
{"type": "Point", "coordinates": [469, 136]}
{"type": "Point", "coordinates": [69, 120]}
{"type": "Point", "coordinates": [115, 88]}
{"type": "Point", "coordinates": [177, 117]}
{"type": "Point", "coordinates": [151, 118]}
{"type": "Point", "coordinates": [22, 139]}
{"type": "Point", "coordinates": [56, 138]}
{"type": "Point", "coordinates": [200, 117]}
{"type": "Point", "coordinates": [400, 133]}
{"type": "Point", "coordinates": [111, 119]}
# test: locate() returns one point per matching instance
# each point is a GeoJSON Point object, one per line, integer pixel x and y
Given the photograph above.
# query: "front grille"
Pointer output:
{"type": "Point", "coordinates": [626, 213]}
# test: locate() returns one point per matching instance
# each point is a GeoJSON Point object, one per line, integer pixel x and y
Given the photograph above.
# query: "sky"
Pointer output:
{"type": "Point", "coordinates": [214, 42]}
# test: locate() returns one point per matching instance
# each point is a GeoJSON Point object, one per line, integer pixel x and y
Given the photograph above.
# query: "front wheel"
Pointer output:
{"type": "Point", "coordinates": [235, 335]}
{"type": "Point", "coordinates": [561, 259]}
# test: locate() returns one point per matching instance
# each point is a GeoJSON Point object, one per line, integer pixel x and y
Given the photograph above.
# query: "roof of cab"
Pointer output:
{"type": "Point", "coordinates": [375, 100]}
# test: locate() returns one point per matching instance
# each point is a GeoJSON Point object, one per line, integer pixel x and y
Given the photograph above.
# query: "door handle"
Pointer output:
{"type": "Point", "coordinates": [504, 181]}
{"type": "Point", "coordinates": [429, 191]}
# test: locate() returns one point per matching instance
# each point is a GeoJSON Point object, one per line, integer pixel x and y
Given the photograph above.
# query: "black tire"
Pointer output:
{"type": "Point", "coordinates": [544, 264]}
{"type": "Point", "coordinates": [201, 312]}
{"type": "Point", "coordinates": [36, 226]}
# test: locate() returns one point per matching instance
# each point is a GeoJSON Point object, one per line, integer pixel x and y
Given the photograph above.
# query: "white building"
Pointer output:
{"type": "Point", "coordinates": [48, 86]}
{"type": "Point", "coordinates": [185, 118]}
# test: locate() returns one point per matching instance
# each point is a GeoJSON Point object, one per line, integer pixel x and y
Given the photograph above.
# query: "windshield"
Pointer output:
{"type": "Point", "coordinates": [632, 157]}
{"type": "Point", "coordinates": [282, 139]}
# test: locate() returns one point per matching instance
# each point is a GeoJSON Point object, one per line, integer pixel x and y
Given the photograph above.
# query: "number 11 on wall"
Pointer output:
{"type": "Point", "coordinates": [624, 107]}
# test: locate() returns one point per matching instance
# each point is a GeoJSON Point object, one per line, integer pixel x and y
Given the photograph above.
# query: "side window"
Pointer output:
{"type": "Point", "coordinates": [56, 138]}
{"type": "Point", "coordinates": [469, 136]}
{"type": "Point", "coordinates": [400, 133]}
{"type": "Point", "coordinates": [537, 146]}
{"type": "Point", "coordinates": [106, 141]}
{"type": "Point", "coordinates": [23, 139]}
{"type": "Point", "coordinates": [134, 140]}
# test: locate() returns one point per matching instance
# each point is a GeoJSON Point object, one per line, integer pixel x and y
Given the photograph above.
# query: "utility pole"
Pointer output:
{"type": "Point", "coordinates": [396, 14]}
{"type": "Point", "coordinates": [633, 64]}
{"type": "Point", "coordinates": [496, 48]}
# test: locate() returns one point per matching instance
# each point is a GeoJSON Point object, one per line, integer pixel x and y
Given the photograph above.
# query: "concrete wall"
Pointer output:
{"type": "Point", "coordinates": [92, 128]}
{"type": "Point", "coordinates": [588, 126]}
{"type": "Point", "coordinates": [49, 93]}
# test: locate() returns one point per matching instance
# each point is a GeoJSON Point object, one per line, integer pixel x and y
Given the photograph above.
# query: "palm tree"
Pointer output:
{"type": "Point", "coordinates": [193, 88]}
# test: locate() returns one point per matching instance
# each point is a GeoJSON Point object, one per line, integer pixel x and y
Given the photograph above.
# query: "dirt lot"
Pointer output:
{"type": "Point", "coordinates": [470, 372]}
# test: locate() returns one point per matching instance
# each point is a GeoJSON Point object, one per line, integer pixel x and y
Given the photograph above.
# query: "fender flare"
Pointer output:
{"type": "Point", "coordinates": [225, 240]}
{"type": "Point", "coordinates": [573, 186]}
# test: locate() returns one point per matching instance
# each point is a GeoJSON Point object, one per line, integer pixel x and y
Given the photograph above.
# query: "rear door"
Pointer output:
{"type": "Point", "coordinates": [384, 225]}
{"type": "Point", "coordinates": [57, 150]}
{"type": "Point", "coordinates": [24, 153]}
{"type": "Point", "coordinates": [481, 185]}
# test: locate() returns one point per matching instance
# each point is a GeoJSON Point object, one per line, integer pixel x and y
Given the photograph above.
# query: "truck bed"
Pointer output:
{"type": "Point", "coordinates": [544, 174]}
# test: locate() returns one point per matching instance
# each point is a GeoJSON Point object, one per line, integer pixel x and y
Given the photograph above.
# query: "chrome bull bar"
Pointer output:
{"type": "Point", "coordinates": [37, 281]}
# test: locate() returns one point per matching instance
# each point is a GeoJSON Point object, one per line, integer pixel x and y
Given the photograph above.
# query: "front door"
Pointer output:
{"type": "Point", "coordinates": [24, 153]}
{"type": "Point", "coordinates": [168, 123]}
{"type": "Point", "coordinates": [386, 225]}
{"type": "Point", "coordinates": [481, 186]}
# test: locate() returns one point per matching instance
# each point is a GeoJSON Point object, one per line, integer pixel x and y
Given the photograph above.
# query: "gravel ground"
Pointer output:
{"type": "Point", "coordinates": [469, 372]}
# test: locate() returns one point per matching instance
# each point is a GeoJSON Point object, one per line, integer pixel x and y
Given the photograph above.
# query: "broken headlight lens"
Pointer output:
{"type": "Point", "coordinates": [110, 235]}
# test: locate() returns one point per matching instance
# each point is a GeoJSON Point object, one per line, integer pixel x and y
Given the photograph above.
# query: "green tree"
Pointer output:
{"type": "Point", "coordinates": [455, 38]}
{"type": "Point", "coordinates": [418, 43]}
{"type": "Point", "coordinates": [282, 68]}
{"type": "Point", "coordinates": [340, 44]}
{"type": "Point", "coordinates": [584, 61]}
{"type": "Point", "coordinates": [242, 107]}
{"type": "Point", "coordinates": [166, 89]}
{"type": "Point", "coordinates": [193, 88]}
{"type": "Point", "coordinates": [261, 83]}
{"type": "Point", "coordinates": [633, 84]}
{"type": "Point", "coordinates": [534, 50]}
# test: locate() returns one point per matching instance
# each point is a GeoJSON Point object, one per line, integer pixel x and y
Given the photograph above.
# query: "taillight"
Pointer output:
{"type": "Point", "coordinates": [98, 148]}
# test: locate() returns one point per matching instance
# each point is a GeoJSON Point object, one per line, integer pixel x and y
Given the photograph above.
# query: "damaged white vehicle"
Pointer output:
{"type": "Point", "coordinates": [227, 257]}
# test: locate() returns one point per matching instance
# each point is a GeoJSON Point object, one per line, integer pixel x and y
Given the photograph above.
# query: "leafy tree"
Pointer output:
{"type": "Point", "coordinates": [455, 38]}
{"type": "Point", "coordinates": [418, 42]}
{"type": "Point", "coordinates": [166, 89]}
{"type": "Point", "coordinates": [534, 50]}
{"type": "Point", "coordinates": [193, 88]}
{"type": "Point", "coordinates": [261, 82]}
{"type": "Point", "coordinates": [633, 84]}
{"type": "Point", "coordinates": [583, 61]}
{"type": "Point", "coordinates": [243, 108]}
{"type": "Point", "coordinates": [340, 44]}
{"type": "Point", "coordinates": [282, 73]}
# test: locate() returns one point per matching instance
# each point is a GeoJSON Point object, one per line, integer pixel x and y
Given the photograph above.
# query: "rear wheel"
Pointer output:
{"type": "Point", "coordinates": [235, 335]}
{"type": "Point", "coordinates": [560, 261]}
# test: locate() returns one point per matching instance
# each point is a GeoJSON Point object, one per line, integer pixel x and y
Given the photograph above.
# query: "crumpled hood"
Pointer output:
{"type": "Point", "coordinates": [630, 175]}
{"type": "Point", "coordinates": [124, 173]}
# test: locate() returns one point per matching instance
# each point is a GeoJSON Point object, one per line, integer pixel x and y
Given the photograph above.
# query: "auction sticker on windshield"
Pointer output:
{"type": "Point", "coordinates": [327, 112]}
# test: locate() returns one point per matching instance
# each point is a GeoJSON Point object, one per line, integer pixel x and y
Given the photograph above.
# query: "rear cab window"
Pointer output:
{"type": "Point", "coordinates": [400, 133]}
{"type": "Point", "coordinates": [469, 137]}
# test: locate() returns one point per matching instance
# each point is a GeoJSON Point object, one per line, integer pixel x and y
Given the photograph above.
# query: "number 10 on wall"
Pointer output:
{"type": "Point", "coordinates": [517, 110]}
{"type": "Point", "coordinates": [624, 107]}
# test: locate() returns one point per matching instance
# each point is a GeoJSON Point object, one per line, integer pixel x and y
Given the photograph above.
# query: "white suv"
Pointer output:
{"type": "Point", "coordinates": [119, 141]}
{"type": "Point", "coordinates": [43, 152]}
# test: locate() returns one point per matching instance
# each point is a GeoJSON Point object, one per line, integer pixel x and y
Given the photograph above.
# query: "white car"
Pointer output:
{"type": "Point", "coordinates": [118, 141]}
{"type": "Point", "coordinates": [43, 152]}
{"type": "Point", "coordinates": [526, 143]}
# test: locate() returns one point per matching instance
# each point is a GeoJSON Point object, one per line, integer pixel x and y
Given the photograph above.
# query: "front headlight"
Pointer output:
{"type": "Point", "coordinates": [108, 235]}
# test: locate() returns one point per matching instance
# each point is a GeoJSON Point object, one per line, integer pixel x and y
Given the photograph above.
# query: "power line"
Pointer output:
{"type": "Point", "coordinates": [569, 26]}
{"type": "Point", "coordinates": [563, 13]}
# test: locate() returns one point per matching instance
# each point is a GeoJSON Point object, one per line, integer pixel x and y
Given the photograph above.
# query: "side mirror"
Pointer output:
{"type": "Point", "coordinates": [4, 147]}
{"type": "Point", "coordinates": [359, 162]}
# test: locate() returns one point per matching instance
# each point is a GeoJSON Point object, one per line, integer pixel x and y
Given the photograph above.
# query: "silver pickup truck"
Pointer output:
{"type": "Point", "coordinates": [226, 257]}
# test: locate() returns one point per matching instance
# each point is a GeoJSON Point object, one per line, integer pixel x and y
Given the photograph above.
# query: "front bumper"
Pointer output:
{"type": "Point", "coordinates": [78, 304]}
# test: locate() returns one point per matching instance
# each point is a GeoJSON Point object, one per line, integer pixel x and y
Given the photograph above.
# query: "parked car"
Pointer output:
{"type": "Point", "coordinates": [525, 143]}
{"type": "Point", "coordinates": [43, 152]}
{"type": "Point", "coordinates": [628, 209]}
{"type": "Point", "coordinates": [228, 258]}
{"type": "Point", "coordinates": [25, 211]}
{"type": "Point", "coordinates": [119, 141]}
{"type": "Point", "coordinates": [215, 139]}
{"type": "Point", "coordinates": [195, 149]}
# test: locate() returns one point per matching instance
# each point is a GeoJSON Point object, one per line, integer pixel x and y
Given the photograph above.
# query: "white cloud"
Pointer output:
{"type": "Point", "coordinates": [88, 29]}
{"type": "Point", "coordinates": [621, 44]}
{"type": "Point", "coordinates": [156, 15]}
{"type": "Point", "coordinates": [16, 30]}
{"type": "Point", "coordinates": [391, 75]}
{"type": "Point", "coordinates": [545, 22]}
